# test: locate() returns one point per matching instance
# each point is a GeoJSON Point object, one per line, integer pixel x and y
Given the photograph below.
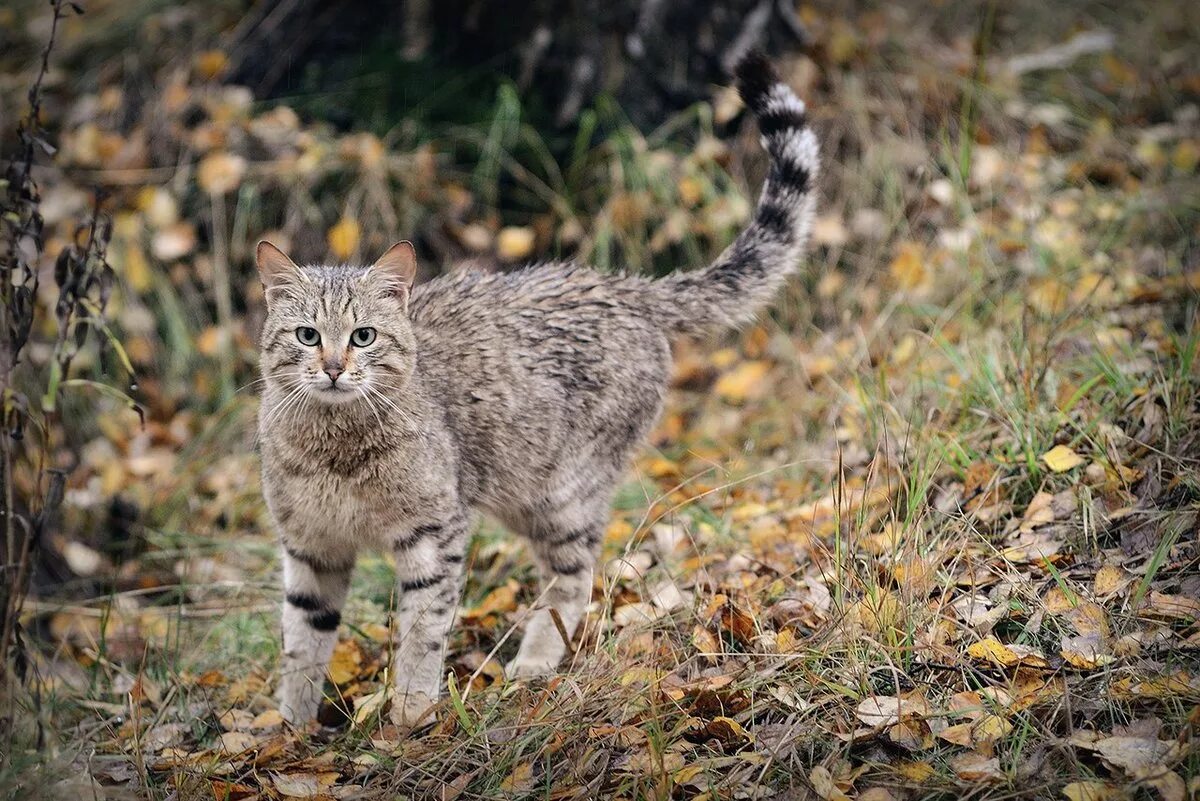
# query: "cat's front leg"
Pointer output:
{"type": "Point", "coordinates": [429, 571]}
{"type": "Point", "coordinates": [314, 592]}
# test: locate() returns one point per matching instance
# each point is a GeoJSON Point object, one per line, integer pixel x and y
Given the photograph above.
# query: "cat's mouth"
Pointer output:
{"type": "Point", "coordinates": [335, 393]}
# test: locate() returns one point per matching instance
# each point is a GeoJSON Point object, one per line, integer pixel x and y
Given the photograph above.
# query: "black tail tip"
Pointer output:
{"type": "Point", "coordinates": [755, 76]}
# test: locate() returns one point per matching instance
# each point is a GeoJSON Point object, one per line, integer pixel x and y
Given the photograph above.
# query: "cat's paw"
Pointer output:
{"type": "Point", "coordinates": [526, 668]}
{"type": "Point", "coordinates": [299, 703]}
{"type": "Point", "coordinates": [408, 710]}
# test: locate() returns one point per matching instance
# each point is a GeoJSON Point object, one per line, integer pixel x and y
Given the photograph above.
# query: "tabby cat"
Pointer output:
{"type": "Point", "coordinates": [392, 414]}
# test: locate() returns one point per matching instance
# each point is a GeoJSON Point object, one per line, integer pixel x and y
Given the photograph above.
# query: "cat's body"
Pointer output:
{"type": "Point", "coordinates": [521, 395]}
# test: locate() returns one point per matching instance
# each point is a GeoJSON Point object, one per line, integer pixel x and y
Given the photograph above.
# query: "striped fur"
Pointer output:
{"type": "Point", "coordinates": [520, 395]}
{"type": "Point", "coordinates": [744, 279]}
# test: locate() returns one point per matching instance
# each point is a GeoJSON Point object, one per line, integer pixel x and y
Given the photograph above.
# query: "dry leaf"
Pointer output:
{"type": "Point", "coordinates": [1090, 791]}
{"type": "Point", "coordinates": [743, 382]}
{"type": "Point", "coordinates": [220, 172]}
{"type": "Point", "coordinates": [514, 243]}
{"type": "Point", "coordinates": [343, 238]}
{"type": "Point", "coordinates": [823, 785]}
{"type": "Point", "coordinates": [303, 785]}
{"type": "Point", "coordinates": [346, 662]}
{"type": "Point", "coordinates": [1060, 459]}
{"type": "Point", "coordinates": [975, 767]}
{"type": "Point", "coordinates": [992, 650]}
{"type": "Point", "coordinates": [908, 266]}
{"type": "Point", "coordinates": [1134, 753]}
{"type": "Point", "coordinates": [520, 780]}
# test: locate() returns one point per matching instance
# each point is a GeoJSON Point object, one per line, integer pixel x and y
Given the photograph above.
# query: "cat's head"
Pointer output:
{"type": "Point", "coordinates": [341, 333]}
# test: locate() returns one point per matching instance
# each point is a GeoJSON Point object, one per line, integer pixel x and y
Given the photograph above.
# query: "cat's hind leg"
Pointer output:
{"type": "Point", "coordinates": [565, 546]}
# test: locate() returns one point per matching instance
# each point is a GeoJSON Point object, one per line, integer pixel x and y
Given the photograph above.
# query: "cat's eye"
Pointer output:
{"type": "Point", "coordinates": [308, 336]}
{"type": "Point", "coordinates": [361, 337]}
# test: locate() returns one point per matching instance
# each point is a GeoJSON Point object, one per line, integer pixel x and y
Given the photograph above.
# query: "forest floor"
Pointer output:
{"type": "Point", "coordinates": [929, 530]}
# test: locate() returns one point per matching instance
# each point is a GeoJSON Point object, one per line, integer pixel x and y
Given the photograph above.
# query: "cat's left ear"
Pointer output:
{"type": "Point", "coordinates": [396, 269]}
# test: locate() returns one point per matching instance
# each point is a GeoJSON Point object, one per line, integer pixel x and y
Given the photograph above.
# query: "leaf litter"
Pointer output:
{"type": "Point", "coordinates": [923, 551]}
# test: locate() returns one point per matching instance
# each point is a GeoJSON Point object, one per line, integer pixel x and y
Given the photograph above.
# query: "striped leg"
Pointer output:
{"type": "Point", "coordinates": [568, 560]}
{"type": "Point", "coordinates": [312, 609]}
{"type": "Point", "coordinates": [429, 572]}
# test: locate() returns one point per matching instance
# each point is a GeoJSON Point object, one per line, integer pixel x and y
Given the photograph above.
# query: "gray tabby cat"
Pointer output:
{"type": "Point", "coordinates": [392, 414]}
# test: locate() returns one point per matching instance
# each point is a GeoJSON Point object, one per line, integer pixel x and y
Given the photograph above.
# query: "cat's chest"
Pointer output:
{"type": "Point", "coordinates": [330, 495]}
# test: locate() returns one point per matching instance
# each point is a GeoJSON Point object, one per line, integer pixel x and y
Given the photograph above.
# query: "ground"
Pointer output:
{"type": "Point", "coordinates": [928, 530]}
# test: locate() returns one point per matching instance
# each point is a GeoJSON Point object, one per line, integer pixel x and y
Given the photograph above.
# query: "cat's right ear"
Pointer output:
{"type": "Point", "coordinates": [275, 269]}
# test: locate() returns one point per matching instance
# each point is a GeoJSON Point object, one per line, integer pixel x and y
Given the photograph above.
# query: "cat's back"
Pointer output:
{"type": "Point", "coordinates": [554, 290]}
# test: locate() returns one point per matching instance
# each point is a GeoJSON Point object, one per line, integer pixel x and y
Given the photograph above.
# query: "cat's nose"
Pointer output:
{"type": "Point", "coordinates": [333, 371]}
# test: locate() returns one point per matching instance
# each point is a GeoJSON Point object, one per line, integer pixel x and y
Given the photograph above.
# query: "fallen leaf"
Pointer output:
{"type": "Point", "coordinates": [370, 704]}
{"type": "Point", "coordinates": [908, 266]}
{"type": "Point", "coordinates": [520, 780]}
{"type": "Point", "coordinates": [303, 785]}
{"type": "Point", "coordinates": [514, 243]}
{"type": "Point", "coordinates": [1060, 459]}
{"type": "Point", "coordinates": [220, 172]}
{"type": "Point", "coordinates": [1133, 753]}
{"type": "Point", "coordinates": [1090, 791]}
{"type": "Point", "coordinates": [343, 237]}
{"type": "Point", "coordinates": [743, 382]}
{"type": "Point", "coordinates": [346, 662]}
{"type": "Point", "coordinates": [823, 785]}
{"type": "Point", "coordinates": [975, 767]}
{"type": "Point", "coordinates": [884, 710]}
{"type": "Point", "coordinates": [237, 742]}
{"type": "Point", "coordinates": [992, 650]}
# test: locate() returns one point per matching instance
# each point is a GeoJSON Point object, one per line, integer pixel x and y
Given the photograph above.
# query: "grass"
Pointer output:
{"type": "Point", "coordinates": [852, 528]}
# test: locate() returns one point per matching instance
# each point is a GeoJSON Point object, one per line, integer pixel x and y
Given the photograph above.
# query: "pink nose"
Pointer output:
{"type": "Point", "coordinates": [333, 373]}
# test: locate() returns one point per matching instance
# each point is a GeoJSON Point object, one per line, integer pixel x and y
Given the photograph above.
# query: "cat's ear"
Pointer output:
{"type": "Point", "coordinates": [275, 269]}
{"type": "Point", "coordinates": [396, 269]}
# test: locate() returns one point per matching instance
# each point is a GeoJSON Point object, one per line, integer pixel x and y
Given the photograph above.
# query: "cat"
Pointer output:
{"type": "Point", "coordinates": [392, 414]}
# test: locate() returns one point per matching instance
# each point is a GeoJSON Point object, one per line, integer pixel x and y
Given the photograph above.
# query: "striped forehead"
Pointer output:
{"type": "Point", "coordinates": [333, 292]}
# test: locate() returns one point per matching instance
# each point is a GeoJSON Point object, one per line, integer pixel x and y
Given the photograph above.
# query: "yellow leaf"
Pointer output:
{"type": "Point", "coordinates": [343, 237]}
{"type": "Point", "coordinates": [370, 704]}
{"type": "Point", "coordinates": [1089, 791]}
{"type": "Point", "coordinates": [908, 266]}
{"type": "Point", "coordinates": [992, 650]}
{"type": "Point", "coordinates": [211, 63]}
{"type": "Point", "coordinates": [916, 772]}
{"type": "Point", "coordinates": [742, 382]}
{"type": "Point", "coordinates": [346, 662]}
{"type": "Point", "coordinates": [822, 783]}
{"type": "Point", "coordinates": [267, 720]}
{"type": "Point", "coordinates": [515, 242]}
{"type": "Point", "coordinates": [220, 172]}
{"type": "Point", "coordinates": [1110, 580]}
{"type": "Point", "coordinates": [1060, 459]}
{"type": "Point", "coordinates": [500, 600]}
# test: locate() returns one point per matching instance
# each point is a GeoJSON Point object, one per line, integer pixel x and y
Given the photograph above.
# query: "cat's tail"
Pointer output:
{"type": "Point", "coordinates": [731, 290]}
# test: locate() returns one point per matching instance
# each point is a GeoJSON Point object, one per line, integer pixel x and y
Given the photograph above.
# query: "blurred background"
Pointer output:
{"type": "Point", "coordinates": [1004, 263]}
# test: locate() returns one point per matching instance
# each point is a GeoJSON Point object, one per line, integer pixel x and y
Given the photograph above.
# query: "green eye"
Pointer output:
{"type": "Point", "coordinates": [308, 336]}
{"type": "Point", "coordinates": [362, 337]}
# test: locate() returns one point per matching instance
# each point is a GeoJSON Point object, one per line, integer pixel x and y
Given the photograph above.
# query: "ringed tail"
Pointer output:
{"type": "Point", "coordinates": [745, 278]}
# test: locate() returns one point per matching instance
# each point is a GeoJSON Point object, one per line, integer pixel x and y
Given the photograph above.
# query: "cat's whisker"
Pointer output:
{"type": "Point", "coordinates": [581, 361]}
{"type": "Point", "coordinates": [277, 411]}
{"type": "Point", "coordinates": [262, 380]}
{"type": "Point", "coordinates": [388, 402]}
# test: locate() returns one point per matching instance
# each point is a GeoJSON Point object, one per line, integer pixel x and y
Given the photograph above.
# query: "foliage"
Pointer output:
{"type": "Point", "coordinates": [927, 531]}
{"type": "Point", "coordinates": [34, 463]}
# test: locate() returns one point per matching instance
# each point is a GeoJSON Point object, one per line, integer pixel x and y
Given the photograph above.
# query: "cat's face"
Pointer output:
{"type": "Point", "coordinates": [338, 334]}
